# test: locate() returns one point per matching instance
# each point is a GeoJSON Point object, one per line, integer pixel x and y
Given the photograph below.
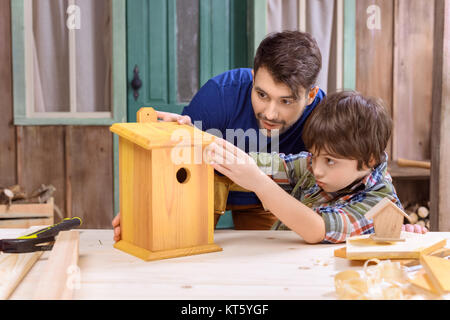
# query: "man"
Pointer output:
{"type": "Point", "coordinates": [263, 109]}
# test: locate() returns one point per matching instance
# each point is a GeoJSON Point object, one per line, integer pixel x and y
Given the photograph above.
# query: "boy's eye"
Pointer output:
{"type": "Point", "coordinates": [286, 101]}
{"type": "Point", "coordinates": [330, 162]}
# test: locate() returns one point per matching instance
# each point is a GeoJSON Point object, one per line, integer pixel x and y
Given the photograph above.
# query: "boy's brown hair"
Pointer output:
{"type": "Point", "coordinates": [348, 125]}
{"type": "Point", "coordinates": [291, 57]}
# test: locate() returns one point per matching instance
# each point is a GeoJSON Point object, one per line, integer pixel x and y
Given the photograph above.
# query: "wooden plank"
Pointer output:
{"type": "Point", "coordinates": [89, 176]}
{"type": "Point", "coordinates": [7, 132]}
{"type": "Point", "coordinates": [40, 159]}
{"type": "Point", "coordinates": [26, 215]}
{"type": "Point", "coordinates": [364, 248]}
{"type": "Point", "coordinates": [56, 282]}
{"type": "Point", "coordinates": [413, 63]}
{"type": "Point", "coordinates": [304, 271]}
{"type": "Point", "coordinates": [440, 135]}
{"type": "Point", "coordinates": [438, 272]}
{"type": "Point", "coordinates": [13, 267]}
{"type": "Point", "coordinates": [374, 47]}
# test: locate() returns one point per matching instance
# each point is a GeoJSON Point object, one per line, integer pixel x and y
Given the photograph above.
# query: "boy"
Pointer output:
{"type": "Point", "coordinates": [330, 189]}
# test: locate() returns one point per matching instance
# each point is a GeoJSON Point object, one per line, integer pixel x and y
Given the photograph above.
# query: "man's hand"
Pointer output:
{"type": "Point", "coordinates": [116, 226]}
{"type": "Point", "coordinates": [417, 228]}
{"type": "Point", "coordinates": [173, 117]}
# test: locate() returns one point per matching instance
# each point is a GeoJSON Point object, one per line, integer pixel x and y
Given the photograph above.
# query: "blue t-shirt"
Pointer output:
{"type": "Point", "coordinates": [224, 104]}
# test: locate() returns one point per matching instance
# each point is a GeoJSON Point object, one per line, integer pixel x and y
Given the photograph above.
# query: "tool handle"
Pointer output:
{"type": "Point", "coordinates": [53, 230]}
{"type": "Point", "coordinates": [413, 163]}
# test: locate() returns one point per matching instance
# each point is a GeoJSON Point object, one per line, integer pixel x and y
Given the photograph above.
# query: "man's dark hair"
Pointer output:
{"type": "Point", "coordinates": [348, 125]}
{"type": "Point", "coordinates": [291, 57]}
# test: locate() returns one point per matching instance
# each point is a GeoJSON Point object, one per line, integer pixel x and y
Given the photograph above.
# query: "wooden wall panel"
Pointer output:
{"type": "Point", "coordinates": [7, 131]}
{"type": "Point", "coordinates": [89, 158]}
{"type": "Point", "coordinates": [40, 159]}
{"type": "Point", "coordinates": [413, 64]}
{"type": "Point", "coordinates": [374, 50]}
{"type": "Point", "coordinates": [440, 152]}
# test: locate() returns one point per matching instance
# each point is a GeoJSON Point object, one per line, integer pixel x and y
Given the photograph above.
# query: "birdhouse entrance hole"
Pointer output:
{"type": "Point", "coordinates": [183, 175]}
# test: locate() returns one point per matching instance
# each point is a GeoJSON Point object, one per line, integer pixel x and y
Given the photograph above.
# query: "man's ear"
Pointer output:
{"type": "Point", "coordinates": [312, 94]}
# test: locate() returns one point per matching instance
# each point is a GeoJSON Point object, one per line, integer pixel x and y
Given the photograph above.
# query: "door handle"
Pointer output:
{"type": "Point", "coordinates": [136, 83]}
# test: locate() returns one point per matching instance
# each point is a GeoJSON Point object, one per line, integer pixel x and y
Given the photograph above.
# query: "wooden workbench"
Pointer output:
{"type": "Point", "coordinates": [253, 265]}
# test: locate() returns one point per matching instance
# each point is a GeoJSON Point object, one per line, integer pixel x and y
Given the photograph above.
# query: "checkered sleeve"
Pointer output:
{"type": "Point", "coordinates": [347, 219]}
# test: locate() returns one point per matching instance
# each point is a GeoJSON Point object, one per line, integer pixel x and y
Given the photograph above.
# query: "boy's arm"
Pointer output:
{"type": "Point", "coordinates": [285, 170]}
{"type": "Point", "coordinates": [242, 169]}
{"type": "Point", "coordinates": [294, 214]}
{"type": "Point", "coordinates": [348, 218]}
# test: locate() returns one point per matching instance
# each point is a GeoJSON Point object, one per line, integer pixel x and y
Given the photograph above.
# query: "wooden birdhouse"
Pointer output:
{"type": "Point", "coordinates": [166, 189]}
{"type": "Point", "coordinates": [387, 221]}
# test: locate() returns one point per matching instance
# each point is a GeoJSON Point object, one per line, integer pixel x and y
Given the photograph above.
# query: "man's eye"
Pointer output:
{"type": "Point", "coordinates": [262, 94]}
{"type": "Point", "coordinates": [286, 101]}
{"type": "Point", "coordinates": [330, 161]}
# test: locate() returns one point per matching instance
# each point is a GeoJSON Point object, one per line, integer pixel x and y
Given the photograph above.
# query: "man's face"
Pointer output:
{"type": "Point", "coordinates": [274, 104]}
{"type": "Point", "coordinates": [333, 174]}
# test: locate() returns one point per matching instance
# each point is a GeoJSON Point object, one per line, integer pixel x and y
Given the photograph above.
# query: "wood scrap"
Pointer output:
{"type": "Point", "coordinates": [438, 272]}
{"type": "Point", "coordinates": [364, 248]}
{"type": "Point", "coordinates": [14, 267]}
{"type": "Point", "coordinates": [419, 213]}
{"type": "Point", "coordinates": [61, 273]}
{"type": "Point", "coordinates": [15, 195]}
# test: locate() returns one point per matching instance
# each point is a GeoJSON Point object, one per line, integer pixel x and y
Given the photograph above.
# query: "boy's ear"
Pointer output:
{"type": "Point", "coordinates": [312, 94]}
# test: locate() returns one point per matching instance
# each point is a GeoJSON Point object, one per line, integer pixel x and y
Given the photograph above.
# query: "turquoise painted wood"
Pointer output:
{"type": "Point", "coordinates": [349, 80]}
{"type": "Point", "coordinates": [151, 46]}
{"type": "Point", "coordinates": [257, 12]}
{"type": "Point", "coordinates": [118, 113]}
{"type": "Point", "coordinates": [224, 43]}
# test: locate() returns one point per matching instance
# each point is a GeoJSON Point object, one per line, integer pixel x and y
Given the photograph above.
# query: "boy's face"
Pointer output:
{"type": "Point", "coordinates": [333, 174]}
{"type": "Point", "coordinates": [274, 105]}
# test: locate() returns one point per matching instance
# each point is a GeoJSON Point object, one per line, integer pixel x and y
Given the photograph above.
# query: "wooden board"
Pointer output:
{"type": "Point", "coordinates": [412, 79]}
{"type": "Point", "coordinates": [374, 47]}
{"type": "Point", "coordinates": [26, 215]}
{"type": "Point", "coordinates": [40, 159]}
{"type": "Point", "coordinates": [438, 272]}
{"type": "Point", "coordinates": [440, 153]}
{"type": "Point", "coordinates": [13, 267]}
{"type": "Point", "coordinates": [422, 281]}
{"type": "Point", "coordinates": [364, 248]}
{"type": "Point", "coordinates": [7, 131]}
{"type": "Point", "coordinates": [57, 279]}
{"type": "Point", "coordinates": [89, 175]}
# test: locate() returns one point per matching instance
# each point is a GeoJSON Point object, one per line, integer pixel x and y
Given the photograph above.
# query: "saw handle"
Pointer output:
{"type": "Point", "coordinates": [53, 230]}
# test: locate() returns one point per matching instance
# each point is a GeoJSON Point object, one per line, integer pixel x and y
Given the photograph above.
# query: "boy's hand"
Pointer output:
{"type": "Point", "coordinates": [417, 228]}
{"type": "Point", "coordinates": [235, 164]}
{"type": "Point", "coordinates": [173, 117]}
{"type": "Point", "coordinates": [116, 226]}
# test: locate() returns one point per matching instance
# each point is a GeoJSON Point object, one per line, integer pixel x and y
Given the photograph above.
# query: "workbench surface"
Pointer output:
{"type": "Point", "coordinates": [253, 265]}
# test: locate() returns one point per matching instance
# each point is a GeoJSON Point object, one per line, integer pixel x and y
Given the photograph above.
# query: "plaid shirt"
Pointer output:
{"type": "Point", "coordinates": [343, 211]}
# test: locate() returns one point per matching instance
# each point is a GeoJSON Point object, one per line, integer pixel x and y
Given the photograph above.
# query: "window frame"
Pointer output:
{"type": "Point", "coordinates": [118, 86]}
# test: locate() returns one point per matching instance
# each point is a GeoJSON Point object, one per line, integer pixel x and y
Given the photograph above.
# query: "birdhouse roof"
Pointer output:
{"type": "Point", "coordinates": [383, 204]}
{"type": "Point", "coordinates": [151, 135]}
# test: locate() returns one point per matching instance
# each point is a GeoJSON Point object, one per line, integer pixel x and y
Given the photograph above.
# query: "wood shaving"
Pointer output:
{"type": "Point", "coordinates": [385, 280]}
